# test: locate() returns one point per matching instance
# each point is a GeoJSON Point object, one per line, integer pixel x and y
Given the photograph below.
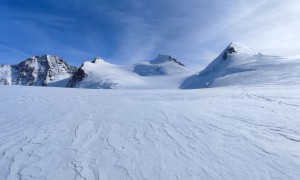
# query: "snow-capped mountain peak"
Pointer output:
{"type": "Point", "coordinates": [36, 71]}
{"type": "Point", "coordinates": [161, 65]}
{"type": "Point", "coordinates": [241, 65]}
{"type": "Point", "coordinates": [165, 58]}
{"type": "Point", "coordinates": [99, 74]}
{"type": "Point", "coordinates": [238, 48]}
{"type": "Point", "coordinates": [163, 71]}
{"type": "Point", "coordinates": [98, 60]}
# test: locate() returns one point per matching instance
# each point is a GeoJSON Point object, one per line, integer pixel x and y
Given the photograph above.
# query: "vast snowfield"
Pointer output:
{"type": "Point", "coordinates": [215, 133]}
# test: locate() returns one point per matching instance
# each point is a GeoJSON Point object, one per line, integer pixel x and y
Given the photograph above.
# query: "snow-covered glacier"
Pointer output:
{"type": "Point", "coordinates": [241, 132]}
{"type": "Point", "coordinates": [239, 118]}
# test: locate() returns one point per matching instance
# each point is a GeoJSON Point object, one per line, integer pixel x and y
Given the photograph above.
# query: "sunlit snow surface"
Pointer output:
{"type": "Point", "coordinates": [215, 133]}
{"type": "Point", "coordinates": [244, 66]}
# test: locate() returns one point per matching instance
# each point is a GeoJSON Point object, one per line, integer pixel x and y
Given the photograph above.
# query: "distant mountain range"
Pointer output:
{"type": "Point", "coordinates": [236, 65]}
{"type": "Point", "coordinates": [163, 72]}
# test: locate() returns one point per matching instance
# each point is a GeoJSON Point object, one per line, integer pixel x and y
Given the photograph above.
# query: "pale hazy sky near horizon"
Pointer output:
{"type": "Point", "coordinates": [123, 32]}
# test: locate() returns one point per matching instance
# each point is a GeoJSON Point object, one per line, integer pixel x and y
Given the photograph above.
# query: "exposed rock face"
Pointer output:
{"type": "Point", "coordinates": [77, 77]}
{"type": "Point", "coordinates": [175, 60]}
{"type": "Point", "coordinates": [230, 50]}
{"type": "Point", "coordinates": [165, 58]}
{"type": "Point", "coordinates": [36, 71]}
{"type": "Point", "coordinates": [80, 74]}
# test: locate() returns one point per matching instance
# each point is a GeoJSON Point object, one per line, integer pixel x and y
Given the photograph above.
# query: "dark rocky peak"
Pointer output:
{"type": "Point", "coordinates": [165, 58]}
{"type": "Point", "coordinates": [230, 50]}
{"type": "Point", "coordinates": [79, 75]}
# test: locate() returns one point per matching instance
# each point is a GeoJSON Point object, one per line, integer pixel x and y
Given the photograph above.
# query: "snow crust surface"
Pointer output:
{"type": "Point", "coordinates": [218, 133]}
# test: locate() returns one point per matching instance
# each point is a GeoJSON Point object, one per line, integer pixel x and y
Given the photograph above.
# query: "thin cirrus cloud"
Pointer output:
{"type": "Point", "coordinates": [193, 31]}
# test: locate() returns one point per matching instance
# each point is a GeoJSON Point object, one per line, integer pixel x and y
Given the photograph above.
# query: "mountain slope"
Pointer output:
{"type": "Point", "coordinates": [37, 71]}
{"type": "Point", "coordinates": [240, 65]}
{"type": "Point", "coordinates": [164, 72]}
{"type": "Point", "coordinates": [161, 65]}
{"type": "Point", "coordinates": [100, 74]}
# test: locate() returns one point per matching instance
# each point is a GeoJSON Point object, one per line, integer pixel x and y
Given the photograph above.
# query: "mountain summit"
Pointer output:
{"type": "Point", "coordinates": [99, 74]}
{"type": "Point", "coordinates": [163, 72]}
{"type": "Point", "coordinates": [36, 71]}
{"type": "Point", "coordinates": [241, 65]}
{"type": "Point", "coordinates": [236, 65]}
{"type": "Point", "coordinates": [161, 65]}
{"type": "Point", "coordinates": [165, 58]}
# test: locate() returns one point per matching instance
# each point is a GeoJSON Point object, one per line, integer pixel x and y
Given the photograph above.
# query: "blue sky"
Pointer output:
{"type": "Point", "coordinates": [122, 32]}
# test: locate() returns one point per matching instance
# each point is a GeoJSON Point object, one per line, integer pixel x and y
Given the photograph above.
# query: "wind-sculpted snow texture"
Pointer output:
{"type": "Point", "coordinates": [220, 133]}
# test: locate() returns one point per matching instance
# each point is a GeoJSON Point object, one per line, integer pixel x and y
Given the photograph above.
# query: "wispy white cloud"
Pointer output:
{"type": "Point", "coordinates": [193, 31]}
{"type": "Point", "coordinates": [272, 28]}
{"type": "Point", "coordinates": [206, 27]}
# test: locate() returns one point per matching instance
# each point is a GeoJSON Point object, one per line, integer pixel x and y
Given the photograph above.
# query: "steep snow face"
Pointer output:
{"type": "Point", "coordinates": [100, 74]}
{"type": "Point", "coordinates": [162, 65]}
{"type": "Point", "coordinates": [37, 71]}
{"type": "Point", "coordinates": [240, 65]}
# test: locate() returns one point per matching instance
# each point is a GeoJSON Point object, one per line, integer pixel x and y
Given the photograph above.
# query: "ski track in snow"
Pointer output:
{"type": "Point", "coordinates": [217, 133]}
